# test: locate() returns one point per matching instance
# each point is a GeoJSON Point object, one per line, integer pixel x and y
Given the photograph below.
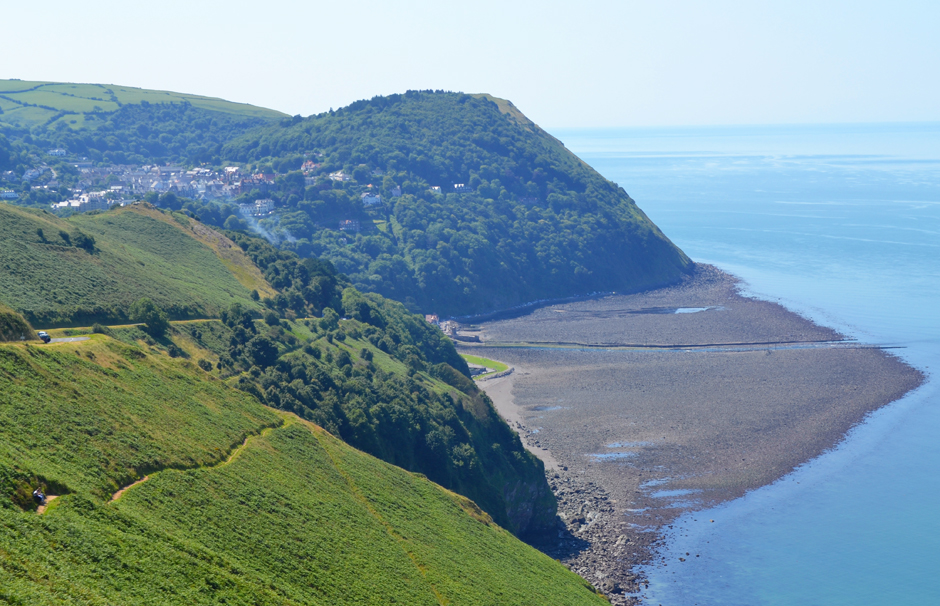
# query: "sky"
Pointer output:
{"type": "Point", "coordinates": [564, 64]}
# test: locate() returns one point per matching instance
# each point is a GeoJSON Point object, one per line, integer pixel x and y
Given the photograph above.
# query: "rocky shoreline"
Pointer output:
{"type": "Point", "coordinates": [635, 435]}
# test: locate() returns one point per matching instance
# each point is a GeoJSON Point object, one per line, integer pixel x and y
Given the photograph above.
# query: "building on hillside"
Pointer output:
{"type": "Point", "coordinates": [258, 208]}
{"type": "Point", "coordinates": [432, 318]}
{"type": "Point", "coordinates": [370, 199]}
{"type": "Point", "coordinates": [436, 189]}
{"type": "Point", "coordinates": [9, 194]}
{"type": "Point", "coordinates": [57, 152]}
{"type": "Point", "coordinates": [339, 176]}
{"type": "Point", "coordinates": [396, 192]}
{"type": "Point", "coordinates": [86, 202]}
{"type": "Point", "coordinates": [349, 225]}
{"type": "Point", "coordinates": [460, 188]}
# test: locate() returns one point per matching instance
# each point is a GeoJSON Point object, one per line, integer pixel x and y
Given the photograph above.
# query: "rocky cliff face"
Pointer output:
{"type": "Point", "coordinates": [531, 507]}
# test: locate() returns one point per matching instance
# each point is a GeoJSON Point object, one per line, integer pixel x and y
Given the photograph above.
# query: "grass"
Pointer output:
{"type": "Point", "coordinates": [13, 327]}
{"type": "Point", "coordinates": [139, 252]}
{"type": "Point", "coordinates": [496, 366]}
{"type": "Point", "coordinates": [102, 413]}
{"type": "Point", "coordinates": [82, 98]}
{"type": "Point", "coordinates": [297, 517]}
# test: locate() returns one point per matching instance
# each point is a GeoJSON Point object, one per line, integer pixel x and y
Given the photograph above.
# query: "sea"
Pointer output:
{"type": "Point", "coordinates": [840, 223]}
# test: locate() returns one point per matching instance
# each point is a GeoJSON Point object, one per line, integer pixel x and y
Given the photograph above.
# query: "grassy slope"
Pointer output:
{"type": "Point", "coordinates": [295, 517]}
{"type": "Point", "coordinates": [13, 327]}
{"type": "Point", "coordinates": [92, 416]}
{"type": "Point", "coordinates": [511, 489]}
{"type": "Point", "coordinates": [140, 252]}
{"type": "Point", "coordinates": [47, 99]}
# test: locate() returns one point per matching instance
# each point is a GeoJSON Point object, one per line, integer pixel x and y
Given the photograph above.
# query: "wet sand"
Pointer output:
{"type": "Point", "coordinates": [646, 413]}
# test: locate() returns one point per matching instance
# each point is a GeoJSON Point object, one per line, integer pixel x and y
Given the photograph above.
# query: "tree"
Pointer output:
{"type": "Point", "coordinates": [84, 241]}
{"type": "Point", "coordinates": [154, 319]}
{"type": "Point", "coordinates": [261, 351]}
{"type": "Point", "coordinates": [235, 224]}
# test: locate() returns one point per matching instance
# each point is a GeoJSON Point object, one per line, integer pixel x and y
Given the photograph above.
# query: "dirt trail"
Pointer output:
{"type": "Point", "coordinates": [49, 499]}
{"type": "Point", "coordinates": [231, 457]}
{"type": "Point", "coordinates": [118, 494]}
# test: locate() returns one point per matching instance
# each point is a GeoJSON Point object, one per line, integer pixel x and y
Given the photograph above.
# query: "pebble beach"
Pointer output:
{"type": "Point", "coordinates": [650, 405]}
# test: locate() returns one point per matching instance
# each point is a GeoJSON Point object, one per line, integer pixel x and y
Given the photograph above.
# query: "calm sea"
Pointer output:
{"type": "Point", "coordinates": [842, 224]}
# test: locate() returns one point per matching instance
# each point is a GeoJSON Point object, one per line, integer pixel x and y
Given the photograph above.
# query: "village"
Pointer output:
{"type": "Point", "coordinates": [101, 187]}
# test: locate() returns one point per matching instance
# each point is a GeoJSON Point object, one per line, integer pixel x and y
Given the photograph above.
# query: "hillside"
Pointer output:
{"type": "Point", "coordinates": [116, 124]}
{"type": "Point", "coordinates": [92, 267]}
{"type": "Point", "coordinates": [515, 217]}
{"type": "Point", "coordinates": [361, 366]}
{"type": "Point", "coordinates": [13, 327]}
{"type": "Point", "coordinates": [238, 503]}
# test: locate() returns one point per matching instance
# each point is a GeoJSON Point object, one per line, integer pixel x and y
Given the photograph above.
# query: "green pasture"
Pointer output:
{"type": "Point", "coordinates": [78, 99]}
{"type": "Point", "coordinates": [137, 253]}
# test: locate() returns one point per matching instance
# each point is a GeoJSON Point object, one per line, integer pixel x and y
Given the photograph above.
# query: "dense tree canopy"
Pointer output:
{"type": "Point", "coordinates": [450, 203]}
{"type": "Point", "coordinates": [516, 217]}
{"type": "Point", "coordinates": [140, 133]}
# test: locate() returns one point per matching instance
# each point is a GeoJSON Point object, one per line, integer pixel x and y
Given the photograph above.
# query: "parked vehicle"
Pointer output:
{"type": "Point", "coordinates": [44, 336]}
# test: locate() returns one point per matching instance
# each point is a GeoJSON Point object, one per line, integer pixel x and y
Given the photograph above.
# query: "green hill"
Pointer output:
{"type": "Point", "coordinates": [32, 103]}
{"type": "Point", "coordinates": [529, 220]}
{"type": "Point", "coordinates": [359, 365]}
{"type": "Point", "coordinates": [532, 221]}
{"type": "Point", "coordinates": [239, 504]}
{"type": "Point", "coordinates": [117, 124]}
{"type": "Point", "coordinates": [188, 270]}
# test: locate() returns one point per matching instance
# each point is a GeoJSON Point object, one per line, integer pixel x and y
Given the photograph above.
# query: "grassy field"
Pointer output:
{"type": "Point", "coordinates": [295, 517]}
{"type": "Point", "coordinates": [33, 103]}
{"type": "Point", "coordinates": [138, 252]}
{"type": "Point", "coordinates": [496, 366]}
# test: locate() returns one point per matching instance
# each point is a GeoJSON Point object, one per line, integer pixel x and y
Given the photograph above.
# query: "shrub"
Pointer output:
{"type": "Point", "coordinates": [146, 312]}
{"type": "Point", "coordinates": [84, 241]}
{"type": "Point", "coordinates": [100, 329]}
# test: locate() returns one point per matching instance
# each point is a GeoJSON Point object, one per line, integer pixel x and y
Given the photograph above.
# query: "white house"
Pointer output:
{"type": "Point", "coordinates": [258, 208]}
{"type": "Point", "coordinates": [369, 199]}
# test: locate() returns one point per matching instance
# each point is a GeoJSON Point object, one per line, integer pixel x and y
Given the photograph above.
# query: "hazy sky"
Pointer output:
{"type": "Point", "coordinates": [586, 63]}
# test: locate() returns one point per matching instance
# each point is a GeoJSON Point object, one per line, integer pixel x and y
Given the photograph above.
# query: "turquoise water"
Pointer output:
{"type": "Point", "coordinates": [841, 224]}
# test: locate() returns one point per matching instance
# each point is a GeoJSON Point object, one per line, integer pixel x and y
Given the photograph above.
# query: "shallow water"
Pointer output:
{"type": "Point", "coordinates": [840, 223]}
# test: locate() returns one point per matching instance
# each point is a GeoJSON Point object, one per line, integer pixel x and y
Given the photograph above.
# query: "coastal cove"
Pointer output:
{"type": "Point", "coordinates": [703, 407]}
{"type": "Point", "coordinates": [839, 224]}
